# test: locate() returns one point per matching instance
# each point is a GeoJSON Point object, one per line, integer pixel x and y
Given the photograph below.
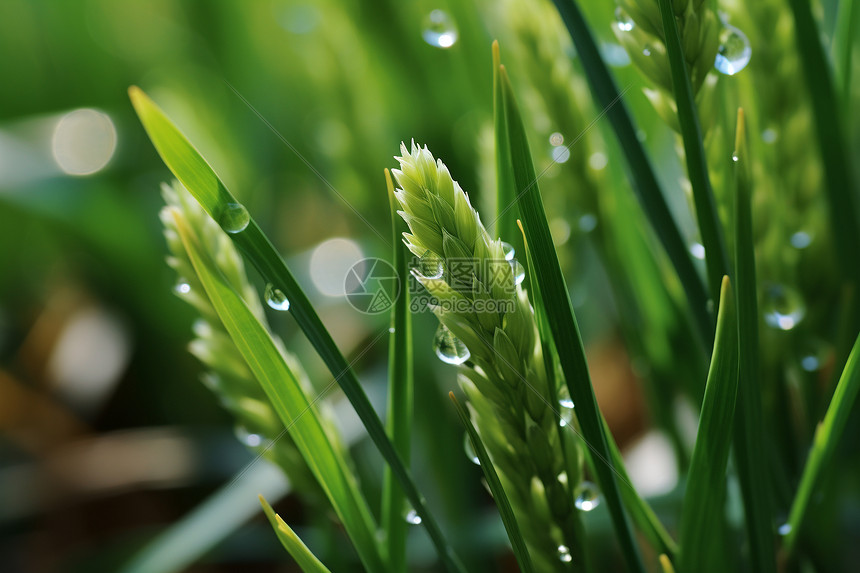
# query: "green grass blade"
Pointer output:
{"type": "Point", "coordinates": [209, 523]}
{"type": "Point", "coordinates": [562, 321]}
{"type": "Point", "coordinates": [749, 447]}
{"type": "Point", "coordinates": [294, 407]}
{"type": "Point", "coordinates": [843, 45]}
{"type": "Point", "coordinates": [827, 436]}
{"type": "Point", "coordinates": [198, 177]}
{"type": "Point", "coordinates": [400, 397]}
{"type": "Point", "coordinates": [700, 536]}
{"type": "Point", "coordinates": [306, 560]}
{"type": "Point", "coordinates": [839, 177]}
{"type": "Point", "coordinates": [505, 510]}
{"type": "Point", "coordinates": [716, 258]}
{"type": "Point", "coordinates": [644, 181]}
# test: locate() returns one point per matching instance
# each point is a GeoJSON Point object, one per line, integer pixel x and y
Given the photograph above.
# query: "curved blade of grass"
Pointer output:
{"type": "Point", "coordinates": [306, 560]}
{"type": "Point", "coordinates": [701, 515]}
{"type": "Point", "coordinates": [400, 397]}
{"type": "Point", "coordinates": [750, 454]}
{"type": "Point", "coordinates": [223, 512]}
{"type": "Point", "coordinates": [194, 172]}
{"type": "Point", "coordinates": [827, 436]}
{"type": "Point", "coordinates": [562, 321]}
{"type": "Point", "coordinates": [666, 564]}
{"type": "Point", "coordinates": [607, 96]}
{"type": "Point", "coordinates": [512, 528]}
{"type": "Point", "coordinates": [716, 258]}
{"type": "Point", "coordinates": [293, 406]}
{"type": "Point", "coordinates": [840, 187]}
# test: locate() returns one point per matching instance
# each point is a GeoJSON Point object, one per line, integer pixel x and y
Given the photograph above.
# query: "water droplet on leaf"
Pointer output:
{"type": "Point", "coordinates": [234, 218]}
{"type": "Point", "coordinates": [412, 517]}
{"type": "Point", "coordinates": [587, 223]}
{"type": "Point", "coordinates": [509, 251]}
{"type": "Point", "coordinates": [439, 30]}
{"type": "Point", "coordinates": [470, 450]}
{"type": "Point", "coordinates": [734, 53]}
{"type": "Point", "coordinates": [248, 438]}
{"type": "Point", "coordinates": [623, 20]}
{"type": "Point", "coordinates": [448, 347]}
{"type": "Point", "coordinates": [801, 240]}
{"type": "Point", "coordinates": [519, 272]}
{"type": "Point", "coordinates": [560, 154]}
{"type": "Point", "coordinates": [698, 251]}
{"type": "Point", "coordinates": [182, 287]}
{"type": "Point", "coordinates": [276, 299]}
{"type": "Point", "coordinates": [556, 139]}
{"type": "Point", "coordinates": [587, 496]}
{"type": "Point", "coordinates": [430, 266]}
{"type": "Point", "coordinates": [783, 307]}
{"type": "Point", "coordinates": [564, 554]}
{"type": "Point", "coordinates": [784, 529]}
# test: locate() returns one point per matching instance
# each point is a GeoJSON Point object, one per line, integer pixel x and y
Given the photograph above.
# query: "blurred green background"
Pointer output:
{"type": "Point", "coordinates": [107, 434]}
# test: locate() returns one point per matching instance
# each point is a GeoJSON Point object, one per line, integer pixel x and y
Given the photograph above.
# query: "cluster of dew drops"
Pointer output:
{"type": "Point", "coordinates": [733, 54]}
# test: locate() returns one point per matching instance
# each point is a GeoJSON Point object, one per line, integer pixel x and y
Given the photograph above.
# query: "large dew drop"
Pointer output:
{"type": "Point", "coordinates": [430, 266]}
{"type": "Point", "coordinates": [448, 347]}
{"type": "Point", "coordinates": [234, 218]}
{"type": "Point", "coordinates": [734, 53]}
{"type": "Point", "coordinates": [509, 251]}
{"type": "Point", "coordinates": [587, 496]}
{"type": "Point", "coordinates": [439, 30]}
{"type": "Point", "coordinates": [276, 299]}
{"type": "Point", "coordinates": [783, 307]}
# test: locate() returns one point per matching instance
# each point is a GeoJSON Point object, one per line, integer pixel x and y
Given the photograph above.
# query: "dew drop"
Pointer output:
{"type": "Point", "coordinates": [182, 287]}
{"type": "Point", "coordinates": [276, 299]}
{"type": "Point", "coordinates": [439, 30]}
{"type": "Point", "coordinates": [734, 53]}
{"type": "Point", "coordinates": [448, 347]}
{"type": "Point", "coordinates": [564, 554]}
{"type": "Point", "coordinates": [430, 265]}
{"type": "Point", "coordinates": [560, 154]}
{"type": "Point", "coordinates": [248, 438]}
{"type": "Point", "coordinates": [814, 355]}
{"type": "Point", "coordinates": [623, 20]}
{"type": "Point", "coordinates": [769, 135]}
{"type": "Point", "coordinates": [698, 251]}
{"type": "Point", "coordinates": [565, 410]}
{"type": "Point", "coordinates": [587, 223]}
{"type": "Point", "coordinates": [646, 51]}
{"type": "Point", "coordinates": [587, 496]}
{"type": "Point", "coordinates": [509, 251]}
{"type": "Point", "coordinates": [784, 529]}
{"type": "Point", "coordinates": [470, 450]}
{"type": "Point", "coordinates": [412, 517]}
{"type": "Point", "coordinates": [783, 307]}
{"type": "Point", "coordinates": [391, 329]}
{"type": "Point", "coordinates": [735, 158]}
{"type": "Point", "coordinates": [556, 139]}
{"type": "Point", "coordinates": [801, 240]}
{"type": "Point", "coordinates": [234, 218]}
{"type": "Point", "coordinates": [519, 272]}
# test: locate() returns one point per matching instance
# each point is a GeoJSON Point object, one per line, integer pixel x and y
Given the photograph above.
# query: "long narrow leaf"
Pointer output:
{"type": "Point", "coordinates": [827, 436]}
{"type": "Point", "coordinates": [840, 187]}
{"type": "Point", "coordinates": [198, 177]}
{"type": "Point", "coordinates": [306, 560]}
{"type": "Point", "coordinates": [643, 179]}
{"type": "Point", "coordinates": [716, 259]}
{"type": "Point", "coordinates": [750, 454]}
{"type": "Point", "coordinates": [562, 321]}
{"type": "Point", "coordinates": [700, 537]}
{"type": "Point", "coordinates": [293, 406]}
{"type": "Point", "coordinates": [518, 544]}
{"type": "Point", "coordinates": [400, 396]}
{"type": "Point", "coordinates": [506, 197]}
